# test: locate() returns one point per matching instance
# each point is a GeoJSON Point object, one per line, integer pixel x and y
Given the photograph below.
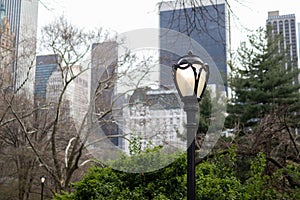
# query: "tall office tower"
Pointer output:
{"type": "Point", "coordinates": [13, 12]}
{"type": "Point", "coordinates": [205, 22]}
{"type": "Point", "coordinates": [103, 79]}
{"type": "Point", "coordinates": [6, 50]}
{"type": "Point", "coordinates": [22, 16]}
{"type": "Point", "coordinates": [45, 66]}
{"type": "Point", "coordinates": [285, 25]}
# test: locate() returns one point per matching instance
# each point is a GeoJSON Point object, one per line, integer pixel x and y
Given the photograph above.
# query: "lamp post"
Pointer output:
{"type": "Point", "coordinates": [190, 75]}
{"type": "Point", "coordinates": [43, 179]}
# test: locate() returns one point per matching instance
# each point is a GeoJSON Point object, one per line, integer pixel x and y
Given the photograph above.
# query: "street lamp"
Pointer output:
{"type": "Point", "coordinates": [43, 179]}
{"type": "Point", "coordinates": [190, 75]}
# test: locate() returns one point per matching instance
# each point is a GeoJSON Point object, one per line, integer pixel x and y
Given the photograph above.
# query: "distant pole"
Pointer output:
{"type": "Point", "coordinates": [43, 179]}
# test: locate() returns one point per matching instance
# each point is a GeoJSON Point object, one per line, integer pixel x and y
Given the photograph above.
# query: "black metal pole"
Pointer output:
{"type": "Point", "coordinates": [191, 107]}
{"type": "Point", "coordinates": [42, 191]}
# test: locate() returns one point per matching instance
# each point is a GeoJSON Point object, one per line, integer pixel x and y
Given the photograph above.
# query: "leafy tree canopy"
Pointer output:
{"type": "Point", "coordinates": [215, 179]}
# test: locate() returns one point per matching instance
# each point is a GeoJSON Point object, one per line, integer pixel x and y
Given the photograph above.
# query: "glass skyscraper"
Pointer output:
{"type": "Point", "coordinates": [22, 16]}
{"type": "Point", "coordinates": [13, 13]}
{"type": "Point", "coordinates": [45, 66]}
{"type": "Point", "coordinates": [207, 24]}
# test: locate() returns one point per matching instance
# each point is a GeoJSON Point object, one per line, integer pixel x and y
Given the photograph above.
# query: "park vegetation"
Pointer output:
{"type": "Point", "coordinates": [260, 161]}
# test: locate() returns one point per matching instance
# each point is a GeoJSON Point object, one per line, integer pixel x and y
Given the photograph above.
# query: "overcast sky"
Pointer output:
{"type": "Point", "coordinates": [126, 15]}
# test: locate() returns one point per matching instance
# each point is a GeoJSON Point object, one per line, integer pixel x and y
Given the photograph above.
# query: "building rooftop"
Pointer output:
{"type": "Point", "coordinates": [173, 5]}
{"type": "Point", "coordinates": [275, 15]}
{"type": "Point", "coordinates": [155, 99]}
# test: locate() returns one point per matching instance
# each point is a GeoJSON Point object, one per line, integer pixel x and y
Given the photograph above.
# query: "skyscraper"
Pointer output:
{"type": "Point", "coordinates": [206, 23]}
{"type": "Point", "coordinates": [45, 66]}
{"type": "Point", "coordinates": [22, 16]}
{"type": "Point", "coordinates": [13, 12]}
{"type": "Point", "coordinates": [285, 25]}
{"type": "Point", "coordinates": [103, 79]}
{"type": "Point", "coordinates": [75, 99]}
{"type": "Point", "coordinates": [6, 50]}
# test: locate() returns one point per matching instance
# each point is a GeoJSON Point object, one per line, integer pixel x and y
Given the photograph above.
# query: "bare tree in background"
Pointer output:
{"type": "Point", "coordinates": [44, 138]}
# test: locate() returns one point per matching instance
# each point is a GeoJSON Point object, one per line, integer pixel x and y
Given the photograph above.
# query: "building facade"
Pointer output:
{"type": "Point", "coordinates": [103, 81]}
{"type": "Point", "coordinates": [6, 50]}
{"type": "Point", "coordinates": [156, 118]}
{"type": "Point", "coordinates": [207, 23]}
{"type": "Point", "coordinates": [13, 12]}
{"type": "Point", "coordinates": [285, 26]}
{"type": "Point", "coordinates": [22, 16]}
{"type": "Point", "coordinates": [45, 66]}
{"type": "Point", "coordinates": [75, 99]}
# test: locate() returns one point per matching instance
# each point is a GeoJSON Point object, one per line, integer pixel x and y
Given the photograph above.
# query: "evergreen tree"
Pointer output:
{"type": "Point", "coordinates": [262, 81]}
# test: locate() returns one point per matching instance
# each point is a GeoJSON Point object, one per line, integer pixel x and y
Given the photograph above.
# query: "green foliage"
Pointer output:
{"type": "Point", "coordinates": [135, 144]}
{"type": "Point", "coordinates": [144, 161]}
{"type": "Point", "coordinates": [262, 80]}
{"type": "Point", "coordinates": [265, 87]}
{"type": "Point", "coordinates": [99, 183]}
{"type": "Point", "coordinates": [106, 183]}
{"type": "Point", "coordinates": [215, 179]}
{"type": "Point", "coordinates": [214, 183]}
{"type": "Point", "coordinates": [279, 178]}
{"type": "Point", "coordinates": [257, 186]}
{"type": "Point", "coordinates": [205, 106]}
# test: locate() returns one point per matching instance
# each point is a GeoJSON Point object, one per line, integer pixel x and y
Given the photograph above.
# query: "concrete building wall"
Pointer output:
{"type": "Point", "coordinates": [75, 99]}
{"type": "Point", "coordinates": [156, 117]}
{"type": "Point", "coordinates": [104, 60]}
{"type": "Point", "coordinates": [286, 26]}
